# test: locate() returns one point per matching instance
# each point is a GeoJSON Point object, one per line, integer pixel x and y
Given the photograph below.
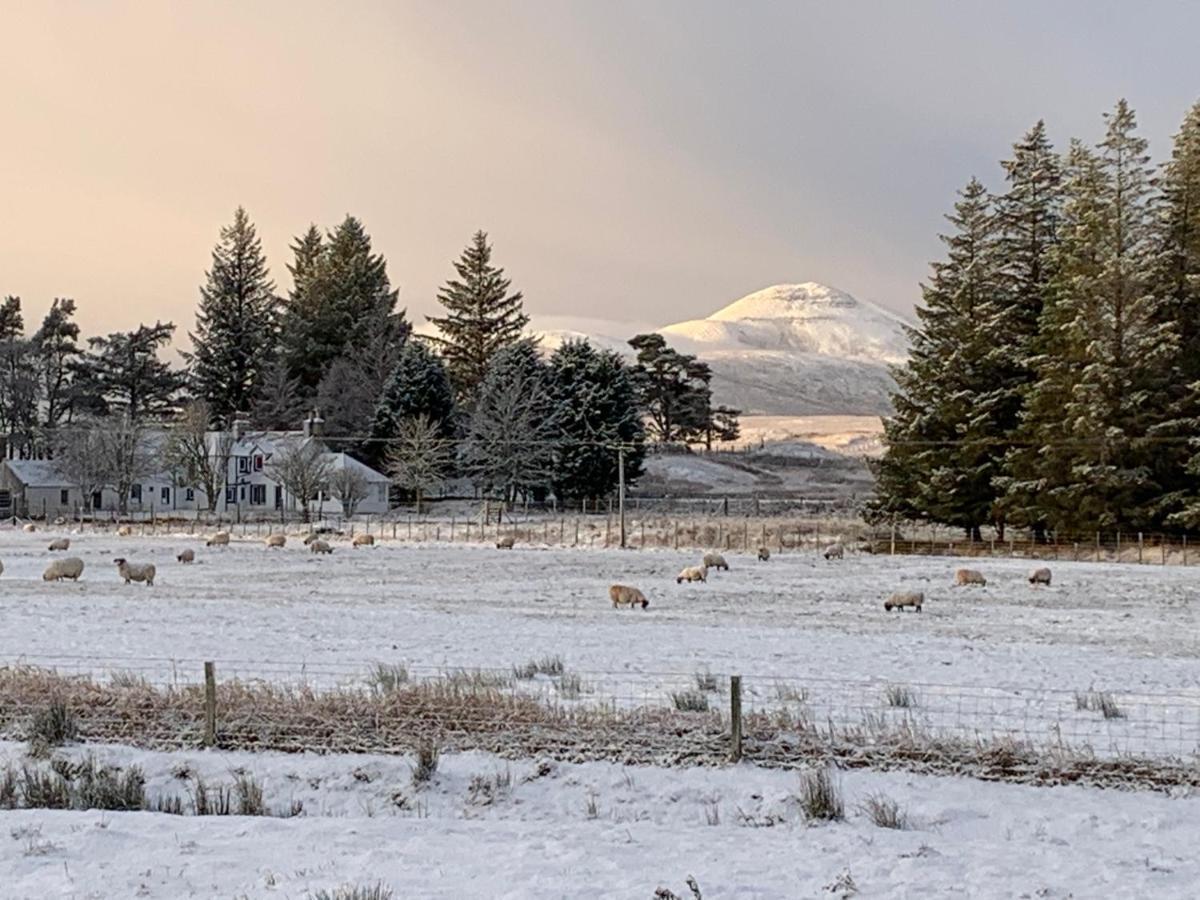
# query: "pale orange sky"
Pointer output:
{"type": "Point", "coordinates": [632, 161]}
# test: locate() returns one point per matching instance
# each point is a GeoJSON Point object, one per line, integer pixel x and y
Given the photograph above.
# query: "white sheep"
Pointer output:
{"type": "Point", "coordinates": [60, 544]}
{"type": "Point", "coordinates": [969, 576]}
{"type": "Point", "coordinates": [1039, 576]}
{"type": "Point", "coordinates": [71, 567]}
{"type": "Point", "coordinates": [764, 554]}
{"type": "Point", "coordinates": [506, 542]}
{"type": "Point", "coordinates": [715, 561]}
{"type": "Point", "coordinates": [319, 546]}
{"type": "Point", "coordinates": [220, 539]}
{"type": "Point", "coordinates": [309, 538]}
{"type": "Point", "coordinates": [187, 556]}
{"type": "Point", "coordinates": [835, 551]}
{"type": "Point", "coordinates": [363, 540]}
{"type": "Point", "coordinates": [901, 599]}
{"type": "Point", "coordinates": [29, 528]}
{"type": "Point", "coordinates": [623, 595]}
{"type": "Point", "coordinates": [275, 540]}
{"type": "Point", "coordinates": [692, 573]}
{"type": "Point", "coordinates": [125, 531]}
{"type": "Point", "coordinates": [135, 571]}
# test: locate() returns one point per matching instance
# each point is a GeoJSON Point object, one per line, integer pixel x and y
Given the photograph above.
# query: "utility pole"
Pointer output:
{"type": "Point", "coordinates": [621, 490]}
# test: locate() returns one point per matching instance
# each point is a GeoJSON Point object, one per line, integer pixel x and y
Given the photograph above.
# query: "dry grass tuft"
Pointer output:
{"type": "Point", "coordinates": [820, 797]}
{"type": "Point", "coordinates": [885, 812]}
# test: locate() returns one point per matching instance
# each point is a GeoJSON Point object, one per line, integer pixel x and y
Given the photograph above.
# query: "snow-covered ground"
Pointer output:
{"type": "Point", "coordinates": [537, 829]}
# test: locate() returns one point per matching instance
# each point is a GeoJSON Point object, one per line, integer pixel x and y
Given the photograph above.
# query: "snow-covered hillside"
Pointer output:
{"type": "Point", "coordinates": [787, 350]}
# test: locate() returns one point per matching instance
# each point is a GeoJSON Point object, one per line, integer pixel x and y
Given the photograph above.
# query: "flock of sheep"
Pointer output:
{"type": "Point", "coordinates": [625, 595]}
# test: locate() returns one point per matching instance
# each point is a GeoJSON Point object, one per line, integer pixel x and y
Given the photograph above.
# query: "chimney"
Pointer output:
{"type": "Point", "coordinates": [312, 425]}
{"type": "Point", "coordinates": [241, 424]}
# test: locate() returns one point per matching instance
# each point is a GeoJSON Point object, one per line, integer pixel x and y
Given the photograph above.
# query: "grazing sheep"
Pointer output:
{"type": "Point", "coordinates": [125, 531]}
{"type": "Point", "coordinates": [506, 542]}
{"type": "Point", "coordinates": [622, 595]}
{"type": "Point", "coordinates": [1039, 576]}
{"type": "Point", "coordinates": [60, 544]}
{"type": "Point", "coordinates": [901, 599]}
{"type": "Point", "coordinates": [70, 567]}
{"type": "Point", "coordinates": [363, 540]}
{"type": "Point", "coordinates": [135, 571]}
{"type": "Point", "coordinates": [764, 553]}
{"type": "Point", "coordinates": [715, 561]}
{"type": "Point", "coordinates": [275, 540]}
{"type": "Point", "coordinates": [969, 576]}
{"type": "Point", "coordinates": [309, 538]}
{"type": "Point", "coordinates": [692, 573]}
{"type": "Point", "coordinates": [220, 539]}
{"type": "Point", "coordinates": [319, 546]}
{"type": "Point", "coordinates": [187, 556]}
{"type": "Point", "coordinates": [835, 551]}
{"type": "Point", "coordinates": [29, 528]}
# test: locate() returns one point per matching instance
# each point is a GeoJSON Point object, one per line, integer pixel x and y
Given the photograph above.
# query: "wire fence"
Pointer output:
{"type": "Point", "coordinates": [540, 707]}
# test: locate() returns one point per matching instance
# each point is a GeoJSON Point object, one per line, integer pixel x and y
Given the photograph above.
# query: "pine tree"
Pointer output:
{"type": "Point", "coordinates": [482, 317]}
{"type": "Point", "coordinates": [418, 386]}
{"type": "Point", "coordinates": [596, 415]}
{"type": "Point", "coordinates": [673, 389]}
{"type": "Point", "coordinates": [278, 404]}
{"type": "Point", "coordinates": [1095, 412]}
{"type": "Point", "coordinates": [19, 387]}
{"type": "Point", "coordinates": [1177, 285]}
{"type": "Point", "coordinates": [57, 349]}
{"type": "Point", "coordinates": [235, 337]}
{"type": "Point", "coordinates": [511, 436]}
{"type": "Point", "coordinates": [122, 373]}
{"type": "Point", "coordinates": [942, 444]}
{"type": "Point", "coordinates": [341, 302]}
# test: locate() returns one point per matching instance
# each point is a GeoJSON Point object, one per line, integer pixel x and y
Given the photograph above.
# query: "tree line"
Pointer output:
{"type": "Point", "coordinates": [1054, 376]}
{"type": "Point", "coordinates": [476, 398]}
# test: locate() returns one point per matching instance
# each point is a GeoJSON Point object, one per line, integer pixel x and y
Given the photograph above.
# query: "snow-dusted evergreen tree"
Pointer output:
{"type": "Point", "coordinates": [674, 391]}
{"type": "Point", "coordinates": [944, 442]}
{"type": "Point", "coordinates": [596, 414]}
{"type": "Point", "coordinates": [1177, 284]}
{"type": "Point", "coordinates": [419, 385]}
{"type": "Point", "coordinates": [123, 374]}
{"type": "Point", "coordinates": [235, 337]}
{"type": "Point", "coordinates": [482, 317]}
{"type": "Point", "coordinates": [510, 439]}
{"type": "Point", "coordinates": [56, 346]}
{"type": "Point", "coordinates": [341, 303]}
{"type": "Point", "coordinates": [278, 404]}
{"type": "Point", "coordinates": [1100, 398]}
{"type": "Point", "coordinates": [19, 386]}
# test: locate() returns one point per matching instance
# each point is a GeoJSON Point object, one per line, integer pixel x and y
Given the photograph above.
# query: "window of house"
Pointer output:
{"type": "Point", "coordinates": [243, 492]}
{"type": "Point", "coordinates": [258, 495]}
{"type": "Point", "coordinates": [243, 464]}
{"type": "Point", "coordinates": [230, 494]}
{"type": "Point", "coordinates": [189, 494]}
{"type": "Point", "coordinates": [64, 497]}
{"type": "Point", "coordinates": [135, 493]}
{"type": "Point", "coordinates": [166, 495]}
{"type": "Point", "coordinates": [5, 498]}
{"type": "Point", "coordinates": [382, 491]}
{"type": "Point", "coordinates": [258, 463]}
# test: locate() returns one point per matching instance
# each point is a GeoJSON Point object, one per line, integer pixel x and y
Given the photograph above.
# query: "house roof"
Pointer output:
{"type": "Point", "coordinates": [37, 473]}
{"type": "Point", "coordinates": [341, 460]}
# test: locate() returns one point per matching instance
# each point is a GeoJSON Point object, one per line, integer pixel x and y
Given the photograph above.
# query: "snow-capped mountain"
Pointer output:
{"type": "Point", "coordinates": [789, 350]}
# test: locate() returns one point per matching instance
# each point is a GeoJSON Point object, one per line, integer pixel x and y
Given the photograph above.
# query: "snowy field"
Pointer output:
{"type": "Point", "coordinates": [1006, 658]}
{"type": "Point", "coordinates": [544, 830]}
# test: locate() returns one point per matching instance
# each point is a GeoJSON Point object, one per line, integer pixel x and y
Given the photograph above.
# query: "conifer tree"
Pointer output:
{"type": "Point", "coordinates": [341, 302]}
{"type": "Point", "coordinates": [418, 386]}
{"type": "Point", "coordinates": [596, 414]}
{"type": "Point", "coordinates": [57, 350]}
{"type": "Point", "coordinates": [235, 336]}
{"type": "Point", "coordinates": [278, 404]}
{"type": "Point", "coordinates": [1093, 416]}
{"type": "Point", "coordinates": [482, 317]}
{"type": "Point", "coordinates": [674, 391]}
{"type": "Point", "coordinates": [942, 448]}
{"type": "Point", "coordinates": [123, 374]}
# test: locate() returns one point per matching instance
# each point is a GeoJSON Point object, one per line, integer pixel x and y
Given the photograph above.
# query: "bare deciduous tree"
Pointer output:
{"type": "Point", "coordinates": [348, 485]}
{"type": "Point", "coordinates": [420, 457]}
{"type": "Point", "coordinates": [78, 456]}
{"type": "Point", "coordinates": [124, 455]}
{"type": "Point", "coordinates": [303, 467]}
{"type": "Point", "coordinates": [197, 455]}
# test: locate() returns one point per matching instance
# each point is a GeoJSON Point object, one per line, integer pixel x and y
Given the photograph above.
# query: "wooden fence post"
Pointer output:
{"type": "Point", "coordinates": [210, 705]}
{"type": "Point", "coordinates": [1139, 547]}
{"type": "Point", "coordinates": [1185, 548]}
{"type": "Point", "coordinates": [735, 718]}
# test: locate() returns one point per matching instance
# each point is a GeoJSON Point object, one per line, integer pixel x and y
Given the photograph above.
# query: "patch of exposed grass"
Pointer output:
{"type": "Point", "coordinates": [1099, 701]}
{"type": "Point", "coordinates": [885, 812]}
{"type": "Point", "coordinates": [569, 686]}
{"type": "Point", "coordinates": [427, 763]}
{"type": "Point", "coordinates": [386, 678]}
{"type": "Point", "coordinates": [376, 891]}
{"type": "Point", "coordinates": [52, 726]}
{"type": "Point", "coordinates": [820, 797]}
{"type": "Point", "coordinates": [690, 701]}
{"type": "Point", "coordinates": [707, 682]}
{"type": "Point", "coordinates": [484, 790]}
{"type": "Point", "coordinates": [899, 696]}
{"type": "Point", "coordinates": [547, 665]}
{"type": "Point", "coordinates": [477, 680]}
